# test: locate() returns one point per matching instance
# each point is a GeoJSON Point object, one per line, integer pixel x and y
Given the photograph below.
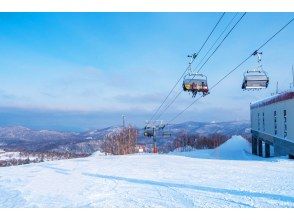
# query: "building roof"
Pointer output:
{"type": "Point", "coordinates": [274, 99]}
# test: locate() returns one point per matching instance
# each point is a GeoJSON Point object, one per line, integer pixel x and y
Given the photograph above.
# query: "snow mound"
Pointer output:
{"type": "Point", "coordinates": [236, 148]}
{"type": "Point", "coordinates": [98, 154]}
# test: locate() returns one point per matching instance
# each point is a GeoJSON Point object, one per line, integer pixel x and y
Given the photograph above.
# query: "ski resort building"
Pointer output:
{"type": "Point", "coordinates": [272, 125]}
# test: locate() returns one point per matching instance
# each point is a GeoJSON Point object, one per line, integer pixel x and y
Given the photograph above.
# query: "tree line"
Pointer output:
{"type": "Point", "coordinates": [197, 141]}
{"type": "Point", "coordinates": [123, 141]}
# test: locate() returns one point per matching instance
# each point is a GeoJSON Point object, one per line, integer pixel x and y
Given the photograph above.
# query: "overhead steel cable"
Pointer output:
{"type": "Point", "coordinates": [231, 21]}
{"type": "Point", "coordinates": [265, 43]}
{"type": "Point", "coordinates": [174, 118]}
{"type": "Point", "coordinates": [221, 42]}
{"type": "Point", "coordinates": [211, 32]}
{"type": "Point", "coordinates": [167, 96]}
{"type": "Point", "coordinates": [241, 63]}
{"type": "Point", "coordinates": [210, 89]}
{"type": "Point", "coordinates": [173, 100]}
{"type": "Point", "coordinates": [219, 20]}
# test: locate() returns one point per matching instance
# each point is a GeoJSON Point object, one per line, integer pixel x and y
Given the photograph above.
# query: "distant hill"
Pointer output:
{"type": "Point", "coordinates": [203, 128]}
{"type": "Point", "coordinates": [22, 138]}
{"type": "Point", "coordinates": [229, 128]}
{"type": "Point", "coordinates": [25, 134]}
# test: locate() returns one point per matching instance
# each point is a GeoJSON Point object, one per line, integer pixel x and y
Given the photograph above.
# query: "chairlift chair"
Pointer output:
{"type": "Point", "coordinates": [195, 83]}
{"type": "Point", "coordinates": [148, 131]}
{"type": "Point", "coordinates": [166, 131]}
{"type": "Point", "coordinates": [166, 134]}
{"type": "Point", "coordinates": [254, 80]}
{"type": "Point", "coordinates": [257, 78]}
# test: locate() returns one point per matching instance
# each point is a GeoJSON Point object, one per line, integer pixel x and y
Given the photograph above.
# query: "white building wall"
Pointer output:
{"type": "Point", "coordinates": [269, 124]}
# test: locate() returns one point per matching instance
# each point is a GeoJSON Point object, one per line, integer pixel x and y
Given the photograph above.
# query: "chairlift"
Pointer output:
{"type": "Point", "coordinates": [194, 82]}
{"type": "Point", "coordinates": [257, 78]}
{"type": "Point", "coordinates": [166, 132]}
{"type": "Point", "coordinates": [148, 131]}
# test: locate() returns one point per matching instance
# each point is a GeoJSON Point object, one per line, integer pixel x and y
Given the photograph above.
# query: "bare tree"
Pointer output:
{"type": "Point", "coordinates": [120, 142]}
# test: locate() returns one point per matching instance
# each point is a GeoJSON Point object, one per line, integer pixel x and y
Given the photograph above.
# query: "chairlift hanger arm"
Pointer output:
{"type": "Point", "coordinates": [192, 57]}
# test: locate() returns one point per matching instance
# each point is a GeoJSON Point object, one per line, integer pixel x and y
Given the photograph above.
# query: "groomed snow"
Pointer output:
{"type": "Point", "coordinates": [229, 178]}
{"type": "Point", "coordinates": [237, 148]}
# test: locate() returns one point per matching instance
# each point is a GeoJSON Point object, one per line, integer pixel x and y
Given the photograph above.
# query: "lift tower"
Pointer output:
{"type": "Point", "coordinates": [151, 130]}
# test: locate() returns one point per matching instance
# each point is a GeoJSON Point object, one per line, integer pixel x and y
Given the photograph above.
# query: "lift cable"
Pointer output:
{"type": "Point", "coordinates": [216, 40]}
{"type": "Point", "coordinates": [172, 101]}
{"type": "Point", "coordinates": [219, 20]}
{"type": "Point", "coordinates": [180, 91]}
{"type": "Point", "coordinates": [225, 76]}
{"type": "Point", "coordinates": [221, 42]}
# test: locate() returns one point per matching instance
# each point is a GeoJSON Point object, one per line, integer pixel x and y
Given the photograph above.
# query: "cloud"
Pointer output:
{"type": "Point", "coordinates": [91, 70]}
{"type": "Point", "coordinates": [50, 95]}
{"type": "Point", "coordinates": [66, 120]}
{"type": "Point", "coordinates": [7, 96]}
{"type": "Point", "coordinates": [141, 98]}
{"type": "Point", "coordinates": [80, 120]}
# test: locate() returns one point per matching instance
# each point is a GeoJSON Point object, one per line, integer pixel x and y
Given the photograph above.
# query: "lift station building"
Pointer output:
{"type": "Point", "coordinates": [272, 125]}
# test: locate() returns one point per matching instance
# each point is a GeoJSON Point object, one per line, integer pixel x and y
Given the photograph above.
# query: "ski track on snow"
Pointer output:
{"type": "Point", "coordinates": [229, 177]}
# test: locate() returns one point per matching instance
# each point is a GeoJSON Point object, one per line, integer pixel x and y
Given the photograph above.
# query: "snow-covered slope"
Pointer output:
{"type": "Point", "coordinates": [236, 148]}
{"type": "Point", "coordinates": [148, 180]}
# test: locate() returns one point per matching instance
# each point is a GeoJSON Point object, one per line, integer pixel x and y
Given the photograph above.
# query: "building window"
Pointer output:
{"type": "Point", "coordinates": [285, 123]}
{"type": "Point", "coordinates": [263, 124]}
{"type": "Point", "coordinates": [258, 122]}
{"type": "Point", "coordinates": [275, 118]}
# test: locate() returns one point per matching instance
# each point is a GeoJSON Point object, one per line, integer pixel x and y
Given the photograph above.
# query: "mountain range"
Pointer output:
{"type": "Point", "coordinates": [26, 139]}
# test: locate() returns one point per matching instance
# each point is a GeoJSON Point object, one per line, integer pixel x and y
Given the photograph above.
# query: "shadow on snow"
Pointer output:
{"type": "Point", "coordinates": [283, 198]}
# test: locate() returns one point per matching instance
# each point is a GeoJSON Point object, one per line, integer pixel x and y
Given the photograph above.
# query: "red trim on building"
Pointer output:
{"type": "Point", "coordinates": [278, 98]}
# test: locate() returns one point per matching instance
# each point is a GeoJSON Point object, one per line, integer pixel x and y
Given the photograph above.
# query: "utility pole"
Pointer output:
{"type": "Point", "coordinates": [129, 137]}
{"type": "Point", "coordinates": [124, 122]}
{"type": "Point", "coordinates": [277, 87]}
{"type": "Point", "coordinates": [293, 77]}
{"type": "Point", "coordinates": [154, 141]}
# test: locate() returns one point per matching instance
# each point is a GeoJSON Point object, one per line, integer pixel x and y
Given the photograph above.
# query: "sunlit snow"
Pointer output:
{"type": "Point", "coordinates": [226, 177]}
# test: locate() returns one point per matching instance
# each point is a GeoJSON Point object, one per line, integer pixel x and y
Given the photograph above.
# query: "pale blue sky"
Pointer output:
{"type": "Point", "coordinates": [74, 71]}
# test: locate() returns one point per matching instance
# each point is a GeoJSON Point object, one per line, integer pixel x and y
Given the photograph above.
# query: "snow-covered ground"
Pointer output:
{"type": "Point", "coordinates": [14, 155]}
{"type": "Point", "coordinates": [227, 177]}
